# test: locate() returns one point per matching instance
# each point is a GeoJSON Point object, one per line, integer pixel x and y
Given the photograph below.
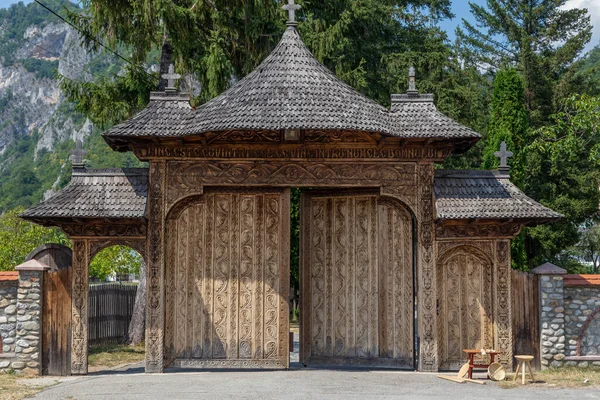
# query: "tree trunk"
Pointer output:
{"type": "Point", "coordinates": [137, 325]}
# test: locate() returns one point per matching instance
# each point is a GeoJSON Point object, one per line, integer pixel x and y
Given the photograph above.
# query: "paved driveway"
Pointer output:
{"type": "Point", "coordinates": [299, 383]}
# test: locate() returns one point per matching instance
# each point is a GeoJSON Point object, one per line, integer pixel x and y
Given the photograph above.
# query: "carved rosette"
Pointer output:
{"type": "Point", "coordinates": [80, 296]}
{"type": "Point", "coordinates": [426, 272]}
{"type": "Point", "coordinates": [503, 337]}
{"type": "Point", "coordinates": [155, 269]}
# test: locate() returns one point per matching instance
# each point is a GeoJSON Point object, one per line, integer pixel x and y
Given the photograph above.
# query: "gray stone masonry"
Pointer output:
{"type": "Point", "coordinates": [563, 313]}
{"type": "Point", "coordinates": [8, 317]}
{"type": "Point", "coordinates": [29, 323]}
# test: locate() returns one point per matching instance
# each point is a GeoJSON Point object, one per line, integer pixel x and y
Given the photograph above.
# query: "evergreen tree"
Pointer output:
{"type": "Point", "coordinates": [508, 123]}
{"type": "Point", "coordinates": [540, 38]}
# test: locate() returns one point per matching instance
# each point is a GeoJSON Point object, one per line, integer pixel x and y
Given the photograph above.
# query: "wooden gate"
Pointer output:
{"type": "Point", "coordinates": [526, 315]}
{"type": "Point", "coordinates": [464, 305]}
{"type": "Point", "coordinates": [56, 308]}
{"type": "Point", "coordinates": [227, 280]}
{"type": "Point", "coordinates": [356, 280]}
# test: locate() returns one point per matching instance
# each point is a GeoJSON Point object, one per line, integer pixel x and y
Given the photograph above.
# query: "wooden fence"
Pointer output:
{"type": "Point", "coordinates": [111, 306]}
{"type": "Point", "coordinates": [526, 318]}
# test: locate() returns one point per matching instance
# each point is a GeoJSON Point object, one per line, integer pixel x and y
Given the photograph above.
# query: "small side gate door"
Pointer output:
{"type": "Point", "coordinates": [56, 308]}
{"type": "Point", "coordinates": [356, 280]}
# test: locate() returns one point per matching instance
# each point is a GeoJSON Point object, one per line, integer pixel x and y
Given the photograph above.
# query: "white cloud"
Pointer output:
{"type": "Point", "coordinates": [593, 7]}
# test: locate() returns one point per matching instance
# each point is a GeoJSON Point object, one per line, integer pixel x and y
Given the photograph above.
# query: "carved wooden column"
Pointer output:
{"type": "Point", "coordinates": [155, 311]}
{"type": "Point", "coordinates": [503, 337]}
{"type": "Point", "coordinates": [427, 291]}
{"type": "Point", "coordinates": [80, 299]}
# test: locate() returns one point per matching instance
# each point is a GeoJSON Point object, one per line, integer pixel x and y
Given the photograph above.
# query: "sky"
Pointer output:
{"type": "Point", "coordinates": [460, 8]}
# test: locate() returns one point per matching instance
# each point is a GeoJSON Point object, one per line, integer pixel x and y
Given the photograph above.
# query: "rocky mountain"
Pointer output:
{"type": "Point", "coordinates": [38, 126]}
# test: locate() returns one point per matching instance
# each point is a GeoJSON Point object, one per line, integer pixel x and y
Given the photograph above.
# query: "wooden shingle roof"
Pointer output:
{"type": "Point", "coordinates": [463, 194]}
{"type": "Point", "coordinates": [290, 89]}
{"type": "Point", "coordinates": [96, 193]}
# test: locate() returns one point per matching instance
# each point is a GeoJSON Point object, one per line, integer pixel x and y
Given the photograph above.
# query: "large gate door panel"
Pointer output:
{"type": "Point", "coordinates": [227, 277]}
{"type": "Point", "coordinates": [465, 310]}
{"type": "Point", "coordinates": [357, 284]}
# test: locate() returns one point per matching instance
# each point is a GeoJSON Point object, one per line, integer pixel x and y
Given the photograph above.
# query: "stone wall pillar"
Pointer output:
{"type": "Point", "coordinates": [552, 314]}
{"type": "Point", "coordinates": [28, 340]}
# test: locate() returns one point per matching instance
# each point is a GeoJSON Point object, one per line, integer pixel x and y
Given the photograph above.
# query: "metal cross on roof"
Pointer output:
{"type": "Point", "coordinates": [291, 8]}
{"type": "Point", "coordinates": [503, 155]}
{"type": "Point", "coordinates": [412, 86]}
{"type": "Point", "coordinates": [171, 77]}
{"type": "Point", "coordinates": [77, 154]}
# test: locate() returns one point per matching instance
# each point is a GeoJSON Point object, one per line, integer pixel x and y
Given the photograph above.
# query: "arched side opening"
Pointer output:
{"type": "Point", "coordinates": [227, 279]}
{"type": "Point", "coordinates": [116, 305]}
{"type": "Point", "coordinates": [464, 276]}
{"type": "Point", "coordinates": [357, 283]}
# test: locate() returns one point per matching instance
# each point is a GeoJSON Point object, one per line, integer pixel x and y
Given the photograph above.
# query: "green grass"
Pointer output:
{"type": "Point", "coordinates": [112, 355]}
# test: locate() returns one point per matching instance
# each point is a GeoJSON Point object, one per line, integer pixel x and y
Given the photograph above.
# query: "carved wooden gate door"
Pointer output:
{"type": "Point", "coordinates": [227, 276]}
{"type": "Point", "coordinates": [356, 280]}
{"type": "Point", "coordinates": [465, 306]}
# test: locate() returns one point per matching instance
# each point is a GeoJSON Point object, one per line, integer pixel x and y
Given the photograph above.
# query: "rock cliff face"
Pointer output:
{"type": "Point", "coordinates": [30, 98]}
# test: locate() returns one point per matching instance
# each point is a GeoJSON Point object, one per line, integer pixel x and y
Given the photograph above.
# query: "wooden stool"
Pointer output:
{"type": "Point", "coordinates": [522, 360]}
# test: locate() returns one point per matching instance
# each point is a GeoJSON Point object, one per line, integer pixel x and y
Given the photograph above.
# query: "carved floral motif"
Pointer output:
{"type": "Point", "coordinates": [105, 230]}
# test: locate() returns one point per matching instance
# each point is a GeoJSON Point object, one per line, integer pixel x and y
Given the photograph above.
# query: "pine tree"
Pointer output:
{"type": "Point", "coordinates": [540, 38]}
{"type": "Point", "coordinates": [508, 123]}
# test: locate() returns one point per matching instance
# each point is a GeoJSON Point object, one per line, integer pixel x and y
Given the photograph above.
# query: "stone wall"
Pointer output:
{"type": "Point", "coordinates": [29, 313]}
{"type": "Point", "coordinates": [8, 311]}
{"type": "Point", "coordinates": [569, 318]}
{"type": "Point", "coordinates": [20, 319]}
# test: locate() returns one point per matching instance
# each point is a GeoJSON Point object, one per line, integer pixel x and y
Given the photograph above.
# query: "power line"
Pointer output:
{"type": "Point", "coordinates": [93, 38]}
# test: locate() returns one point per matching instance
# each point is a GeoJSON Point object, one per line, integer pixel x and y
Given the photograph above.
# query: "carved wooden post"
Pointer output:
{"type": "Point", "coordinates": [155, 317]}
{"type": "Point", "coordinates": [503, 336]}
{"type": "Point", "coordinates": [428, 360]}
{"type": "Point", "coordinates": [80, 299]}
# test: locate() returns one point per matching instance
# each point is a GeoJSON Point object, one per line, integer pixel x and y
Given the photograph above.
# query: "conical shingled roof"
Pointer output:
{"type": "Point", "coordinates": [290, 89]}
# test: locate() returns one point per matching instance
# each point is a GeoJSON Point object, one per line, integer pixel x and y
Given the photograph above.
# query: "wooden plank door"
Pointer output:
{"type": "Point", "coordinates": [356, 281]}
{"type": "Point", "coordinates": [465, 307]}
{"type": "Point", "coordinates": [227, 278]}
{"type": "Point", "coordinates": [56, 322]}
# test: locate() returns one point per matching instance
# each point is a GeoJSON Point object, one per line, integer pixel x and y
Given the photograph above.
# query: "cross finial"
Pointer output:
{"type": "Point", "coordinates": [412, 86]}
{"type": "Point", "coordinates": [291, 8]}
{"type": "Point", "coordinates": [171, 77]}
{"type": "Point", "coordinates": [77, 155]}
{"type": "Point", "coordinates": [503, 155]}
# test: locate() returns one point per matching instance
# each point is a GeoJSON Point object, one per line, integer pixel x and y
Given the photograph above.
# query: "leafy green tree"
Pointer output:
{"type": "Point", "coordinates": [18, 238]}
{"type": "Point", "coordinates": [563, 172]}
{"type": "Point", "coordinates": [589, 247]}
{"type": "Point", "coordinates": [118, 260]}
{"type": "Point", "coordinates": [542, 39]}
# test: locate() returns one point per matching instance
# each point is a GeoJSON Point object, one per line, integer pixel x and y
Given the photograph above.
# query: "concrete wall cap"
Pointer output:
{"type": "Point", "coordinates": [549, 269]}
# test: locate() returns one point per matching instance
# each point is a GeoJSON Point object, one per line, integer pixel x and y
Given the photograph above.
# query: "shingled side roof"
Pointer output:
{"type": "Point", "coordinates": [290, 89]}
{"type": "Point", "coordinates": [462, 194]}
{"type": "Point", "coordinates": [96, 193]}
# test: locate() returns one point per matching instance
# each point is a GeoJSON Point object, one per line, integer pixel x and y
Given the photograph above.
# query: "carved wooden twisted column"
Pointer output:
{"type": "Point", "coordinates": [426, 273]}
{"type": "Point", "coordinates": [503, 337]}
{"type": "Point", "coordinates": [156, 262]}
{"type": "Point", "coordinates": [80, 299]}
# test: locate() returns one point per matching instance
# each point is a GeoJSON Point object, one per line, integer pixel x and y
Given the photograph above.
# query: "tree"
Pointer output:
{"type": "Point", "coordinates": [508, 123]}
{"type": "Point", "coordinates": [115, 260]}
{"type": "Point", "coordinates": [18, 238]}
{"type": "Point", "coordinates": [563, 171]}
{"type": "Point", "coordinates": [540, 38]}
{"type": "Point", "coordinates": [589, 246]}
